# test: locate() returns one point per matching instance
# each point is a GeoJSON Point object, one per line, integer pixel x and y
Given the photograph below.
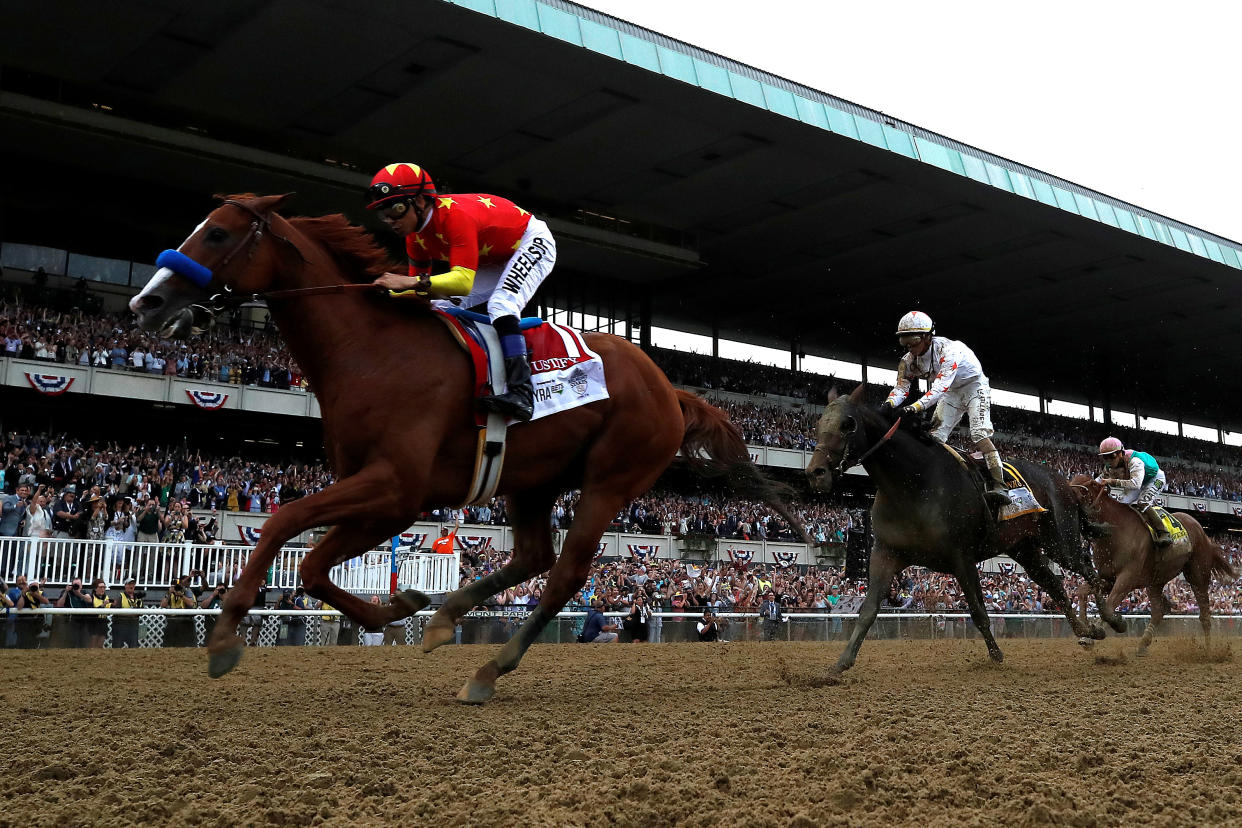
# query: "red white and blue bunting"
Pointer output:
{"type": "Point", "coordinates": [475, 544]}
{"type": "Point", "coordinates": [1237, 510]}
{"type": "Point", "coordinates": [249, 534]}
{"type": "Point", "coordinates": [641, 551]}
{"type": "Point", "coordinates": [785, 558]}
{"type": "Point", "coordinates": [51, 384]}
{"type": "Point", "coordinates": [741, 557]}
{"type": "Point", "coordinates": [207, 400]}
{"type": "Point", "coordinates": [408, 542]}
{"type": "Point", "coordinates": [601, 547]}
{"type": "Point", "coordinates": [1199, 507]}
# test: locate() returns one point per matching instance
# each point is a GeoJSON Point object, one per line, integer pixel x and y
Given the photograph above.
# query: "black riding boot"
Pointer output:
{"type": "Point", "coordinates": [997, 493]}
{"type": "Point", "coordinates": [1163, 538]}
{"type": "Point", "coordinates": [518, 400]}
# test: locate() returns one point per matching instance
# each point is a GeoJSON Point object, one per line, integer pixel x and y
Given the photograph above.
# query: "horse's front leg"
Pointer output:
{"type": "Point", "coordinates": [1036, 566]}
{"type": "Point", "coordinates": [968, 578]}
{"type": "Point", "coordinates": [884, 565]}
{"type": "Point", "coordinates": [359, 494]}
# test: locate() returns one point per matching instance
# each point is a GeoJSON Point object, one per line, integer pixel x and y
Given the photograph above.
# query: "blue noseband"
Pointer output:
{"type": "Point", "coordinates": [183, 265]}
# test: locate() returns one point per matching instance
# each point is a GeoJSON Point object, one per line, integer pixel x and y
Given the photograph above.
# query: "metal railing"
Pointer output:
{"type": "Point", "coordinates": [56, 562]}
{"type": "Point", "coordinates": [147, 628]}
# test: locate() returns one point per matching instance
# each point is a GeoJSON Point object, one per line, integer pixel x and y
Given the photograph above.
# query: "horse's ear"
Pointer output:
{"type": "Point", "coordinates": [832, 394]}
{"type": "Point", "coordinates": [859, 395]}
{"type": "Point", "coordinates": [265, 205]}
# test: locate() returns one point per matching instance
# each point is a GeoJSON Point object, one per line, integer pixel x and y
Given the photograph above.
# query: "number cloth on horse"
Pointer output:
{"type": "Point", "coordinates": [565, 372]}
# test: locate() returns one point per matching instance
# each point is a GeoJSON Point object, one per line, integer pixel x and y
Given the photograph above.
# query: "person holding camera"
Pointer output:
{"type": "Point", "coordinates": [149, 522]}
{"type": "Point", "coordinates": [709, 629]}
{"type": "Point", "coordinates": [179, 629]}
{"type": "Point", "coordinates": [38, 520]}
{"type": "Point", "coordinates": [211, 600]}
{"type": "Point", "coordinates": [596, 629]}
{"type": "Point", "coordinates": [74, 597]}
{"type": "Point", "coordinates": [125, 627]}
{"type": "Point", "coordinates": [638, 621]}
{"type": "Point", "coordinates": [176, 522]}
{"type": "Point", "coordinates": [65, 513]}
{"type": "Point", "coordinates": [97, 625]}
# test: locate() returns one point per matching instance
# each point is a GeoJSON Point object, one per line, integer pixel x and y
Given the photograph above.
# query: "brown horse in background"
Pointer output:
{"type": "Point", "coordinates": [395, 392]}
{"type": "Point", "coordinates": [1128, 558]}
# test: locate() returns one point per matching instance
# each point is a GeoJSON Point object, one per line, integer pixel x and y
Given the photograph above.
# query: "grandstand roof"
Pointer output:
{"type": "Point", "coordinates": [737, 201]}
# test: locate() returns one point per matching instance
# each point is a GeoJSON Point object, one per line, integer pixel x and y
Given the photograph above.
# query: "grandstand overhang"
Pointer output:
{"type": "Point", "coordinates": [735, 203]}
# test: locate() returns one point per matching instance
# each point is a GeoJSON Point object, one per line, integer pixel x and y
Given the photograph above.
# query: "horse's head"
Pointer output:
{"type": "Point", "coordinates": [227, 255]}
{"type": "Point", "coordinates": [1087, 490]}
{"type": "Point", "coordinates": [839, 436]}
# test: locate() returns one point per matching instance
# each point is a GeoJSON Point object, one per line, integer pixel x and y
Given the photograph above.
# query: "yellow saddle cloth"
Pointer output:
{"type": "Point", "coordinates": [1171, 525]}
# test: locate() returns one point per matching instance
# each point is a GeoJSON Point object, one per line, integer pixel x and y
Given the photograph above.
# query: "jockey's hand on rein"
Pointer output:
{"type": "Point", "coordinates": [910, 412]}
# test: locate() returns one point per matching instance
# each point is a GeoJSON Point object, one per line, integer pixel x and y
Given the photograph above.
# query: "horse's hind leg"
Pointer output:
{"type": "Point", "coordinates": [884, 565]}
{"type": "Point", "coordinates": [1036, 566]}
{"type": "Point", "coordinates": [569, 573]}
{"type": "Point", "coordinates": [345, 541]}
{"type": "Point", "coordinates": [968, 577]}
{"type": "Point", "coordinates": [532, 554]}
{"type": "Point", "coordinates": [1159, 606]}
{"type": "Point", "coordinates": [1204, 600]}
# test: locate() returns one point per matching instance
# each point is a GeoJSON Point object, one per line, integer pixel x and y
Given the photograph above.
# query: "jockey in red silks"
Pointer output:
{"type": "Point", "coordinates": [498, 254]}
{"type": "Point", "coordinates": [956, 386]}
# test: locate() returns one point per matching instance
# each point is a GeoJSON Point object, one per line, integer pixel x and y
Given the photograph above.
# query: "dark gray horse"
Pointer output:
{"type": "Point", "coordinates": [930, 512]}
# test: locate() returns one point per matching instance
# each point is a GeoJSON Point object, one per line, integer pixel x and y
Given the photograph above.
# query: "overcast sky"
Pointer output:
{"type": "Point", "coordinates": [1137, 100]}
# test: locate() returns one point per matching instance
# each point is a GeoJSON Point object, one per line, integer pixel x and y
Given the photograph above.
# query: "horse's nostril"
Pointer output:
{"type": "Point", "coordinates": [141, 304]}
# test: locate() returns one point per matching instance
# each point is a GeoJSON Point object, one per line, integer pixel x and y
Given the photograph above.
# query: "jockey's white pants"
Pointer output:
{"type": "Point", "coordinates": [505, 289]}
{"type": "Point", "coordinates": [973, 399]}
{"type": "Point", "coordinates": [1145, 495]}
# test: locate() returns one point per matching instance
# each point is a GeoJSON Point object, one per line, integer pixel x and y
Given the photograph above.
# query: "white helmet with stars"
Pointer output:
{"type": "Point", "coordinates": [916, 322]}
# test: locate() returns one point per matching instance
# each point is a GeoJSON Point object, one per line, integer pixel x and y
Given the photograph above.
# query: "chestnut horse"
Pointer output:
{"type": "Point", "coordinates": [395, 392]}
{"type": "Point", "coordinates": [1128, 559]}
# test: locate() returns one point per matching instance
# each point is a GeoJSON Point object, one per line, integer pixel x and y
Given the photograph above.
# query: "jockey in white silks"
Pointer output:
{"type": "Point", "coordinates": [1140, 479]}
{"type": "Point", "coordinates": [957, 386]}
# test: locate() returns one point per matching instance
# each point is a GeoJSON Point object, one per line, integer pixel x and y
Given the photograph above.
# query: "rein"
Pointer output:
{"type": "Point", "coordinates": [888, 435]}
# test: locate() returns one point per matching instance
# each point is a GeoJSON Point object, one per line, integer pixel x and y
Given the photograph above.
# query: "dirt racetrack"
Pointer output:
{"type": "Point", "coordinates": [919, 733]}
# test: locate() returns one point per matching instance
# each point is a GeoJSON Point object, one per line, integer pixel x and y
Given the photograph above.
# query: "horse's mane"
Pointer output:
{"type": "Point", "coordinates": [354, 249]}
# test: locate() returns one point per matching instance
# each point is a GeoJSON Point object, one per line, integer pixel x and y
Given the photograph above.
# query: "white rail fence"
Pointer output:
{"type": "Point", "coordinates": [56, 562]}
{"type": "Point", "coordinates": [148, 628]}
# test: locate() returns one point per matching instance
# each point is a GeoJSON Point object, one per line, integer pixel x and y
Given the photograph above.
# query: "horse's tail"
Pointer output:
{"type": "Point", "coordinates": [1218, 564]}
{"type": "Point", "coordinates": [713, 447]}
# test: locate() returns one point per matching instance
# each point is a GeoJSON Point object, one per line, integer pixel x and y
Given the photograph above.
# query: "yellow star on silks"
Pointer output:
{"type": "Point", "coordinates": [419, 241]}
{"type": "Point", "coordinates": [521, 211]}
{"type": "Point", "coordinates": [485, 250]}
{"type": "Point", "coordinates": [517, 244]}
{"type": "Point", "coordinates": [486, 202]}
{"type": "Point", "coordinates": [447, 202]}
{"type": "Point", "coordinates": [440, 236]}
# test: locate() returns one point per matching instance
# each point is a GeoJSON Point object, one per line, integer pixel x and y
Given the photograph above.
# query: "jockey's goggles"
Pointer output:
{"type": "Point", "coordinates": [908, 340]}
{"type": "Point", "coordinates": [394, 211]}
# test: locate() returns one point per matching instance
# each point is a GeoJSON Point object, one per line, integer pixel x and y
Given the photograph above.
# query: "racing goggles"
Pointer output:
{"type": "Point", "coordinates": [910, 340]}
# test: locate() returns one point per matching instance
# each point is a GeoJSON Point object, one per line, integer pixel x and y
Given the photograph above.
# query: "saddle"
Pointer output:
{"type": "Point", "coordinates": [1024, 500]}
{"type": "Point", "coordinates": [565, 374]}
{"type": "Point", "coordinates": [1172, 525]}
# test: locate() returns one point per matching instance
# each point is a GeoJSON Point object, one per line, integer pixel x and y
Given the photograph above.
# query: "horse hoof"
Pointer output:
{"type": "Point", "coordinates": [997, 656]}
{"type": "Point", "coordinates": [1085, 641]}
{"type": "Point", "coordinates": [435, 635]}
{"type": "Point", "coordinates": [1097, 632]}
{"type": "Point", "coordinates": [1141, 652]}
{"type": "Point", "coordinates": [412, 600]}
{"type": "Point", "coordinates": [475, 692]}
{"type": "Point", "coordinates": [223, 661]}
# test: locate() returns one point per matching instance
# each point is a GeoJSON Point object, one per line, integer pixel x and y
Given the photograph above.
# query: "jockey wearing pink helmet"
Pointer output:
{"type": "Point", "coordinates": [1140, 479]}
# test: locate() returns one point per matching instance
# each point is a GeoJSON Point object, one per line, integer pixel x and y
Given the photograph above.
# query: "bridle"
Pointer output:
{"type": "Point", "coordinates": [226, 298]}
{"type": "Point", "coordinates": [844, 463]}
{"type": "Point", "coordinates": [1094, 499]}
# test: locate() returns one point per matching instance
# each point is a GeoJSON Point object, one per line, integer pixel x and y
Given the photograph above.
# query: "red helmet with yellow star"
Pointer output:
{"type": "Point", "coordinates": [398, 181]}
